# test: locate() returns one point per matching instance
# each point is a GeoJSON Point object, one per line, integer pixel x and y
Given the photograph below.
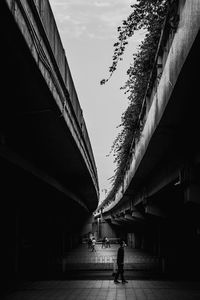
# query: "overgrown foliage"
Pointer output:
{"type": "Point", "coordinates": [148, 15]}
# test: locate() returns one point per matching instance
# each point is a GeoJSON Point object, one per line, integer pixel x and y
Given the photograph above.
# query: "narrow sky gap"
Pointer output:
{"type": "Point", "coordinates": [88, 30]}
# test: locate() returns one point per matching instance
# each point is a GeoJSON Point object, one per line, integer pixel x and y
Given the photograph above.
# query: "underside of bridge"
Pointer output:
{"type": "Point", "coordinates": [160, 209]}
{"type": "Point", "coordinates": [47, 191]}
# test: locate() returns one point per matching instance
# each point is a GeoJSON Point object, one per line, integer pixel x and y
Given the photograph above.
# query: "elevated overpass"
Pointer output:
{"type": "Point", "coordinates": [49, 181]}
{"type": "Point", "coordinates": [157, 206]}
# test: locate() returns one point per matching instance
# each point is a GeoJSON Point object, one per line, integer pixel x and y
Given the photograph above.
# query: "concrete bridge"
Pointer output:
{"type": "Point", "coordinates": [49, 182]}
{"type": "Point", "coordinates": [157, 206]}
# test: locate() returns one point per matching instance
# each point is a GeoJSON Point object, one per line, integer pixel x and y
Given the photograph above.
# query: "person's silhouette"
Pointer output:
{"type": "Point", "coordinates": [120, 263]}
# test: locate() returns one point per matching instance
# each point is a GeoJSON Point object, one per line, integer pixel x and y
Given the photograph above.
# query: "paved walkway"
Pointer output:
{"type": "Point", "coordinates": [102, 258]}
{"type": "Point", "coordinates": [81, 258]}
{"type": "Point", "coordinates": [106, 290]}
{"type": "Point", "coordinates": [82, 253]}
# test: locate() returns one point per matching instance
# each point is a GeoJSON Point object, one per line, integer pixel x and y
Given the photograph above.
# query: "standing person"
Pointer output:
{"type": "Point", "coordinates": [108, 243]}
{"type": "Point", "coordinates": [120, 263]}
{"type": "Point", "coordinates": [103, 242]}
{"type": "Point", "coordinates": [93, 244]}
{"type": "Point", "coordinates": [89, 243]}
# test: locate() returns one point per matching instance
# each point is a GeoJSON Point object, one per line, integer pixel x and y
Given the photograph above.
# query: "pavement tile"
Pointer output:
{"type": "Point", "coordinates": [106, 290]}
{"type": "Point", "coordinates": [82, 256]}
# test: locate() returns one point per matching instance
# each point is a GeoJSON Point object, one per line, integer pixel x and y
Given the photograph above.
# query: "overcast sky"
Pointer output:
{"type": "Point", "coordinates": [88, 30]}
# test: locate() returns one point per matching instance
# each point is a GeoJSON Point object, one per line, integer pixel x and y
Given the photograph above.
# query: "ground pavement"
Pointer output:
{"type": "Point", "coordinates": [83, 258]}
{"type": "Point", "coordinates": [106, 255]}
{"type": "Point", "coordinates": [94, 288]}
{"type": "Point", "coordinates": [106, 290]}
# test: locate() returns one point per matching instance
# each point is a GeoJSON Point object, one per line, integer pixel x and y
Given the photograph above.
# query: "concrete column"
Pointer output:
{"type": "Point", "coordinates": [108, 230]}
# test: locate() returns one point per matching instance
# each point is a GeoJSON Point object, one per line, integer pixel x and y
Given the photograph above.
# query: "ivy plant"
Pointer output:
{"type": "Point", "coordinates": [148, 15]}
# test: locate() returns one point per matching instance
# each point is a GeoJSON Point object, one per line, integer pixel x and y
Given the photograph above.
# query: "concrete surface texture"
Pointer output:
{"type": "Point", "coordinates": [106, 290]}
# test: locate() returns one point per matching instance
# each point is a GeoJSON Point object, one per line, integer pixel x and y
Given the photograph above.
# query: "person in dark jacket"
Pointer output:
{"type": "Point", "coordinates": [104, 243]}
{"type": "Point", "coordinates": [120, 263]}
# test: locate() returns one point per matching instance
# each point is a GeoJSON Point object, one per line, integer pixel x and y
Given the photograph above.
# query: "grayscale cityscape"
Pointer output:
{"type": "Point", "coordinates": [66, 233]}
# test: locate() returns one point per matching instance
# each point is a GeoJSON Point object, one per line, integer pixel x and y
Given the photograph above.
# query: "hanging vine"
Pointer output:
{"type": "Point", "coordinates": [148, 15]}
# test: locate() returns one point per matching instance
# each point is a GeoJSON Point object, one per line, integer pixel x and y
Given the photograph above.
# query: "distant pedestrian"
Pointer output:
{"type": "Point", "coordinates": [107, 243]}
{"type": "Point", "coordinates": [120, 263]}
{"type": "Point", "coordinates": [93, 244]}
{"type": "Point", "coordinates": [89, 243]}
{"type": "Point", "coordinates": [103, 242]}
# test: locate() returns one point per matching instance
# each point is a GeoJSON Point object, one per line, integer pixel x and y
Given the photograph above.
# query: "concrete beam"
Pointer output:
{"type": "Point", "coordinates": [137, 214]}
{"type": "Point", "coordinates": [123, 220]}
{"type": "Point", "coordinates": [129, 217]}
{"type": "Point", "coordinates": [116, 223]}
{"type": "Point", "coordinates": [155, 211]}
{"type": "Point", "coordinates": [133, 219]}
{"type": "Point", "coordinates": [107, 218]}
{"type": "Point", "coordinates": [192, 194]}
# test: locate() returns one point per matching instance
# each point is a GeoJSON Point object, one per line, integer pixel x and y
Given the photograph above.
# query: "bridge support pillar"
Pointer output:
{"type": "Point", "coordinates": [107, 229]}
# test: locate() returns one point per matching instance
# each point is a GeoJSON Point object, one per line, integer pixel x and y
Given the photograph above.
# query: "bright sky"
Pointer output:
{"type": "Point", "coordinates": [88, 30]}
